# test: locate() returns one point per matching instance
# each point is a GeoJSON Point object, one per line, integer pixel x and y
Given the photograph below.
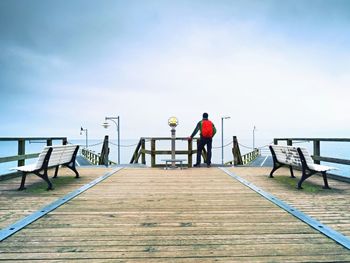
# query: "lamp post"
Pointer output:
{"type": "Point", "coordinates": [254, 137]}
{"type": "Point", "coordinates": [86, 135]}
{"type": "Point", "coordinates": [117, 123]}
{"type": "Point", "coordinates": [222, 137]}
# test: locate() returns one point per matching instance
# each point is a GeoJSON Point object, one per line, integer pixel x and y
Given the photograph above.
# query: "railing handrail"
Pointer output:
{"type": "Point", "coordinates": [315, 139]}
{"type": "Point", "coordinates": [31, 138]}
{"type": "Point", "coordinates": [141, 151]}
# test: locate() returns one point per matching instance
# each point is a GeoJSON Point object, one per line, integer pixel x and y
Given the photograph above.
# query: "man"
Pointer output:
{"type": "Point", "coordinates": [207, 131]}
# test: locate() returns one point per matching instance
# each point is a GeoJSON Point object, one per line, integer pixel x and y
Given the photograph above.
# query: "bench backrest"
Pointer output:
{"type": "Point", "coordinates": [41, 157]}
{"type": "Point", "coordinates": [289, 155]}
{"type": "Point", "coordinates": [68, 154]}
{"type": "Point", "coordinates": [60, 154]}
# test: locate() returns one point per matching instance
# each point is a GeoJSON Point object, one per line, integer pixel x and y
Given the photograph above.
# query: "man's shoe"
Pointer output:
{"type": "Point", "coordinates": [208, 165]}
{"type": "Point", "coordinates": [197, 165]}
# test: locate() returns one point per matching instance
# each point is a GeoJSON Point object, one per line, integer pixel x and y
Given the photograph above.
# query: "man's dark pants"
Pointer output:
{"type": "Point", "coordinates": [202, 142]}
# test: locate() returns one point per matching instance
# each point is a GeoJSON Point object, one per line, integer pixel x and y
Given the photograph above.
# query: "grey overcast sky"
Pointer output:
{"type": "Point", "coordinates": [283, 66]}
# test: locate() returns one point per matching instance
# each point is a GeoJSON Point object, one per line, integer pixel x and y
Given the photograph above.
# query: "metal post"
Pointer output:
{"type": "Point", "coordinates": [86, 138]}
{"type": "Point", "coordinates": [222, 140]}
{"type": "Point", "coordinates": [173, 131]}
{"type": "Point", "coordinates": [254, 137]}
{"type": "Point", "coordinates": [118, 140]}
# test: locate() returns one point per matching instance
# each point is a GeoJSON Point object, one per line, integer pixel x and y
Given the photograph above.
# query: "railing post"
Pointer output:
{"type": "Point", "coordinates": [64, 141]}
{"type": "Point", "coordinates": [21, 151]}
{"type": "Point", "coordinates": [289, 142]}
{"type": "Point", "coordinates": [136, 160]}
{"type": "Point", "coordinates": [143, 154]}
{"type": "Point", "coordinates": [49, 142]}
{"type": "Point", "coordinates": [237, 157]}
{"type": "Point", "coordinates": [189, 154]}
{"type": "Point", "coordinates": [317, 150]}
{"type": "Point", "coordinates": [103, 158]}
{"type": "Point", "coordinates": [153, 153]}
{"type": "Point", "coordinates": [275, 141]}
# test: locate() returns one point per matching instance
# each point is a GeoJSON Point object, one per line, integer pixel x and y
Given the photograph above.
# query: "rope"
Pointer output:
{"type": "Point", "coordinates": [218, 147]}
{"type": "Point", "coordinates": [244, 146]}
{"type": "Point", "coordinates": [130, 145]}
{"type": "Point", "coordinates": [83, 145]}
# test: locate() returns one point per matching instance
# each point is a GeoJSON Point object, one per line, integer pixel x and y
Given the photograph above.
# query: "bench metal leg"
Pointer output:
{"type": "Point", "coordinates": [45, 177]}
{"type": "Point", "coordinates": [307, 175]}
{"type": "Point", "coordinates": [21, 188]}
{"type": "Point", "coordinates": [275, 167]}
{"type": "Point", "coordinates": [72, 167]}
{"type": "Point", "coordinates": [56, 171]}
{"type": "Point", "coordinates": [326, 186]}
{"type": "Point", "coordinates": [304, 176]}
{"type": "Point", "coordinates": [291, 172]}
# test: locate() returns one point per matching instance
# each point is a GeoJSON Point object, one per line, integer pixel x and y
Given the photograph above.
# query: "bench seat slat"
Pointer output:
{"type": "Point", "coordinates": [320, 168]}
{"type": "Point", "coordinates": [26, 168]}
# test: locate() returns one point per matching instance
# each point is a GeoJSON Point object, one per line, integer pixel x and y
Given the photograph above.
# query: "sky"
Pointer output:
{"type": "Point", "coordinates": [282, 66]}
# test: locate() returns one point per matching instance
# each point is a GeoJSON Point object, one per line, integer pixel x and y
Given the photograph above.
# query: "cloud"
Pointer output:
{"type": "Point", "coordinates": [142, 62]}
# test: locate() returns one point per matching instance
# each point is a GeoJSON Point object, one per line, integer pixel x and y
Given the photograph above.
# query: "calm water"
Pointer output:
{"type": "Point", "coordinates": [328, 149]}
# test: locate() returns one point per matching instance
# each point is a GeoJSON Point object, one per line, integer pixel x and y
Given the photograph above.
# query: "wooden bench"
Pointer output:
{"type": "Point", "coordinates": [50, 157]}
{"type": "Point", "coordinates": [170, 161]}
{"type": "Point", "coordinates": [297, 157]}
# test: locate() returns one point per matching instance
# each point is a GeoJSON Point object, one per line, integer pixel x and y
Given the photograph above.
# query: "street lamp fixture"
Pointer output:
{"type": "Point", "coordinates": [222, 137]}
{"type": "Point", "coordinates": [117, 123]}
{"type": "Point", "coordinates": [86, 136]}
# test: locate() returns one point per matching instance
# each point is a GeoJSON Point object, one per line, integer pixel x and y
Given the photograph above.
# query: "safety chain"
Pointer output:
{"type": "Point", "coordinates": [218, 147]}
{"type": "Point", "coordinates": [130, 145]}
{"type": "Point", "coordinates": [99, 143]}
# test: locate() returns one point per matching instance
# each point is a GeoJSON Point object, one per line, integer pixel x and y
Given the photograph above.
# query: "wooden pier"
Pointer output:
{"type": "Point", "coordinates": [189, 215]}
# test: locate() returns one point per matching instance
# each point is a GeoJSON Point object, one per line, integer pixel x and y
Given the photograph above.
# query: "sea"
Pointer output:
{"type": "Point", "coordinates": [127, 147]}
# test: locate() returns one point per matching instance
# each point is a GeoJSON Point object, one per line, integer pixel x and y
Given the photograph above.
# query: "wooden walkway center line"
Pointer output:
{"type": "Point", "coordinates": [156, 215]}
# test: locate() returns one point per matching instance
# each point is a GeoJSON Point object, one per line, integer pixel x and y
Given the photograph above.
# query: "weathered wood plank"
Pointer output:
{"type": "Point", "coordinates": [330, 207]}
{"type": "Point", "coordinates": [153, 215]}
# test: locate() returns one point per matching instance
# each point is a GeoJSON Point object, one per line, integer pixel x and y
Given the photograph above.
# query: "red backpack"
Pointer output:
{"type": "Point", "coordinates": [207, 129]}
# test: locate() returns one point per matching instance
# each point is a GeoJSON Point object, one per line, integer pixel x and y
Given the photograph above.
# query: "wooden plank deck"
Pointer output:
{"type": "Point", "coordinates": [330, 207]}
{"type": "Point", "coordinates": [15, 205]}
{"type": "Point", "coordinates": [155, 215]}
